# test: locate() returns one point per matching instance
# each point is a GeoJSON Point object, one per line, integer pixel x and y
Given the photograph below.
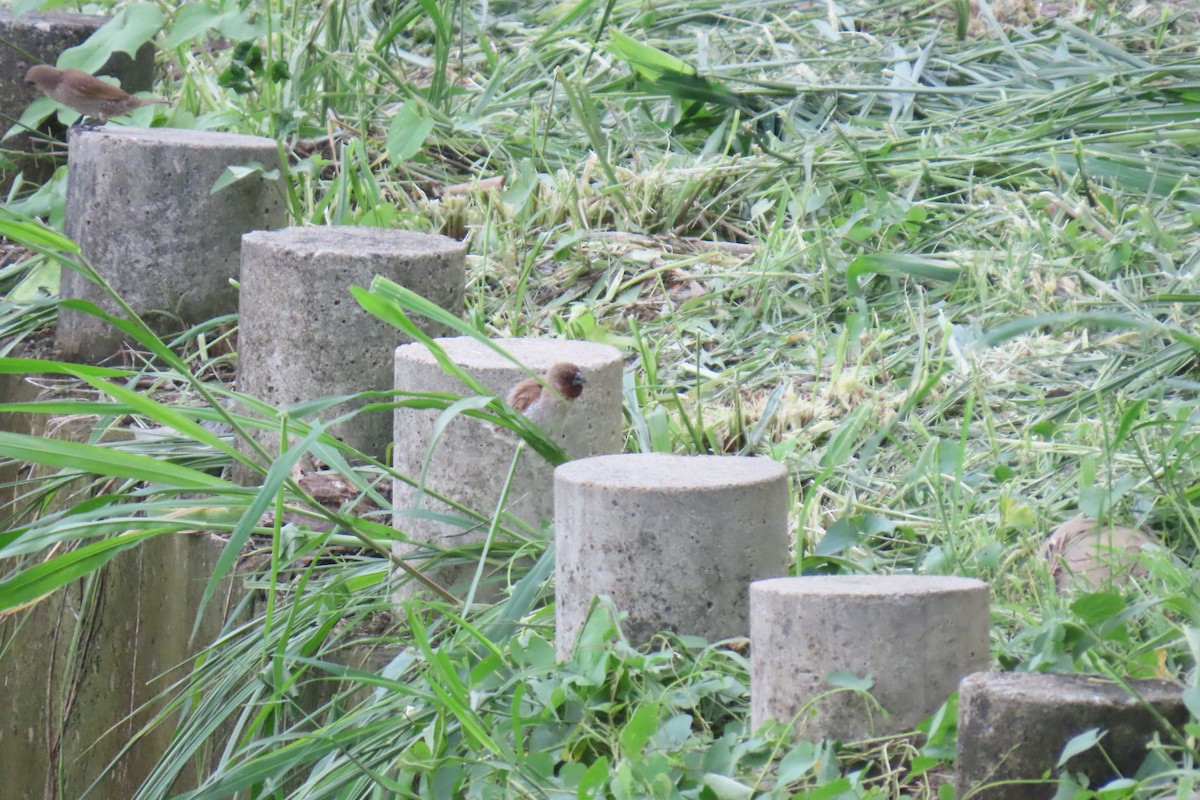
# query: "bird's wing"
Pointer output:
{"type": "Point", "coordinates": [97, 89]}
{"type": "Point", "coordinates": [523, 394]}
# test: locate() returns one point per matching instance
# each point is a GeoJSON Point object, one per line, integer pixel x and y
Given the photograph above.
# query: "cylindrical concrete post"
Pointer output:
{"type": "Point", "coordinates": [471, 460]}
{"type": "Point", "coordinates": [1012, 728]}
{"type": "Point", "coordinates": [141, 207]}
{"type": "Point", "coordinates": [913, 636]}
{"type": "Point", "coordinates": [40, 37]}
{"type": "Point", "coordinates": [673, 540]}
{"type": "Point", "coordinates": [302, 336]}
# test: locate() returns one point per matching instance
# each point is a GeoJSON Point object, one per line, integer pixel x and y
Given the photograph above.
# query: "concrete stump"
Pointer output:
{"type": "Point", "coordinates": [1012, 728]}
{"type": "Point", "coordinates": [302, 336]}
{"type": "Point", "coordinates": [673, 540]}
{"type": "Point", "coordinates": [40, 37]}
{"type": "Point", "coordinates": [916, 636]}
{"type": "Point", "coordinates": [472, 459]}
{"type": "Point", "coordinates": [140, 205]}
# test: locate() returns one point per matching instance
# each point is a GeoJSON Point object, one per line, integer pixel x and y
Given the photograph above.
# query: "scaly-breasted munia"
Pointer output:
{"type": "Point", "coordinates": [85, 93]}
{"type": "Point", "coordinates": [546, 407]}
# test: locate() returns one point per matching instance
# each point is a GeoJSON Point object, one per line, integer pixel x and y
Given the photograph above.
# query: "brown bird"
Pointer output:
{"type": "Point", "coordinates": [1085, 551]}
{"type": "Point", "coordinates": [85, 93]}
{"type": "Point", "coordinates": [546, 407]}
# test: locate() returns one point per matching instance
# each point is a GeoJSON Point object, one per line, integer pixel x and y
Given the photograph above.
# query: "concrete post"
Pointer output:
{"type": "Point", "coordinates": [141, 207]}
{"type": "Point", "coordinates": [40, 37]}
{"type": "Point", "coordinates": [915, 636]}
{"type": "Point", "coordinates": [673, 540]}
{"type": "Point", "coordinates": [1012, 728]}
{"type": "Point", "coordinates": [302, 336]}
{"type": "Point", "coordinates": [472, 459]}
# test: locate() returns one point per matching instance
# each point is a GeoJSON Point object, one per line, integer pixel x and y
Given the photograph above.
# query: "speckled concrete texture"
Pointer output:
{"type": "Point", "coordinates": [1013, 727]}
{"type": "Point", "coordinates": [302, 335]}
{"type": "Point", "coordinates": [471, 459]}
{"type": "Point", "coordinates": [141, 207]}
{"type": "Point", "coordinates": [915, 635]}
{"type": "Point", "coordinates": [40, 37]}
{"type": "Point", "coordinates": [673, 540]}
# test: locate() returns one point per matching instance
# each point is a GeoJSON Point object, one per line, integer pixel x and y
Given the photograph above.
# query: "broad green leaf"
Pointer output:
{"type": "Point", "coordinates": [191, 20]}
{"type": "Point", "coordinates": [638, 730]}
{"type": "Point", "coordinates": [724, 788]}
{"type": "Point", "coordinates": [833, 790]}
{"type": "Point", "coordinates": [1097, 608]}
{"type": "Point", "coordinates": [33, 116]}
{"type": "Point", "coordinates": [20, 7]}
{"type": "Point", "coordinates": [241, 172]}
{"type": "Point", "coordinates": [843, 534]}
{"type": "Point", "coordinates": [591, 784]}
{"type": "Point", "coordinates": [1079, 744]}
{"type": "Point", "coordinates": [129, 29]}
{"type": "Point", "coordinates": [40, 282]}
{"type": "Point", "coordinates": [407, 132]}
{"type": "Point", "coordinates": [1191, 699]}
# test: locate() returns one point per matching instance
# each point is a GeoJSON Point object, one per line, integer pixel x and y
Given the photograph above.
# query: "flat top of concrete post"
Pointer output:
{"type": "Point", "coordinates": [866, 585]}
{"type": "Point", "coordinates": [660, 471]}
{"type": "Point", "coordinates": [1053, 688]}
{"type": "Point", "coordinates": [56, 18]}
{"type": "Point", "coordinates": [174, 137]}
{"type": "Point", "coordinates": [539, 353]}
{"type": "Point", "coordinates": [354, 239]}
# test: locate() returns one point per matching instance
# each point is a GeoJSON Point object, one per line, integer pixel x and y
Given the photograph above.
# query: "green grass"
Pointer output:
{"type": "Point", "coordinates": [942, 268]}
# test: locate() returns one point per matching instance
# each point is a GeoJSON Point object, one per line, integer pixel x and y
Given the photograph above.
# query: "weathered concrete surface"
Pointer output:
{"type": "Point", "coordinates": [39, 37]}
{"type": "Point", "coordinates": [141, 207]}
{"type": "Point", "coordinates": [916, 636]}
{"type": "Point", "coordinates": [673, 540]}
{"type": "Point", "coordinates": [471, 460]}
{"type": "Point", "coordinates": [92, 657]}
{"type": "Point", "coordinates": [302, 336]}
{"type": "Point", "coordinates": [1012, 728]}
